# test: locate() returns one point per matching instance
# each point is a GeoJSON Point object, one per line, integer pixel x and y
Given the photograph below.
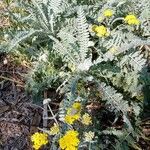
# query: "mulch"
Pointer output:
{"type": "Point", "coordinates": [19, 118]}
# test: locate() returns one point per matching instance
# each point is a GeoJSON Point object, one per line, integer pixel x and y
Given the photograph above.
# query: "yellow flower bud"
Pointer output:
{"type": "Point", "coordinates": [108, 13]}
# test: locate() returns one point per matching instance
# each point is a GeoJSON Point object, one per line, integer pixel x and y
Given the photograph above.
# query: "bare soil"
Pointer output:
{"type": "Point", "coordinates": [19, 118]}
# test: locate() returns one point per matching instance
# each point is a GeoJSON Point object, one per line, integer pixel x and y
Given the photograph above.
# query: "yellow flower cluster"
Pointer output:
{"type": "Point", "coordinates": [39, 139]}
{"type": "Point", "coordinates": [69, 141]}
{"type": "Point", "coordinates": [89, 136]}
{"type": "Point", "coordinates": [108, 13]}
{"type": "Point", "coordinates": [86, 119]}
{"type": "Point", "coordinates": [101, 31]}
{"type": "Point", "coordinates": [54, 129]}
{"type": "Point", "coordinates": [73, 113]}
{"type": "Point", "coordinates": [131, 20]}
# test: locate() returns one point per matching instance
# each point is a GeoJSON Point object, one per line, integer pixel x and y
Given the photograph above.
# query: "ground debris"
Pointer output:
{"type": "Point", "coordinates": [18, 117]}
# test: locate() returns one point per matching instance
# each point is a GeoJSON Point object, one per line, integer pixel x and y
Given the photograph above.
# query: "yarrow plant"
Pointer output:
{"type": "Point", "coordinates": [92, 54]}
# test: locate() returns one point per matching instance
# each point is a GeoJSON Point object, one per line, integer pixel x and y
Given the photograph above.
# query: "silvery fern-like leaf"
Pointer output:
{"type": "Point", "coordinates": [131, 83]}
{"type": "Point", "coordinates": [67, 53]}
{"type": "Point", "coordinates": [83, 33]}
{"type": "Point", "coordinates": [58, 6]}
{"type": "Point", "coordinates": [117, 39]}
{"type": "Point", "coordinates": [62, 114]}
{"type": "Point", "coordinates": [113, 98]}
{"type": "Point", "coordinates": [145, 22]}
{"type": "Point", "coordinates": [136, 108]}
{"type": "Point", "coordinates": [66, 35]}
{"type": "Point", "coordinates": [133, 44]}
{"type": "Point", "coordinates": [112, 131]}
{"type": "Point", "coordinates": [41, 10]}
{"type": "Point", "coordinates": [69, 41]}
{"type": "Point", "coordinates": [140, 5]}
{"type": "Point", "coordinates": [42, 16]}
{"type": "Point", "coordinates": [110, 95]}
{"type": "Point", "coordinates": [144, 8]}
{"type": "Point", "coordinates": [136, 61]}
{"type": "Point", "coordinates": [19, 37]}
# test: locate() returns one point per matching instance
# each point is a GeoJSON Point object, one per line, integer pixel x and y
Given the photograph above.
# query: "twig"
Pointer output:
{"type": "Point", "coordinates": [54, 116]}
{"type": "Point", "coordinates": [53, 103]}
{"type": "Point", "coordinates": [43, 130]}
{"type": "Point", "coordinates": [62, 85]}
{"type": "Point", "coordinates": [34, 105]}
{"type": "Point", "coordinates": [121, 18]}
{"type": "Point", "coordinates": [45, 113]}
{"type": "Point", "coordinates": [12, 80]}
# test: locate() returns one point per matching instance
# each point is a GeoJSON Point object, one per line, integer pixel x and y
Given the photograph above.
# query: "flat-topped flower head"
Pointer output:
{"type": "Point", "coordinates": [39, 139]}
{"type": "Point", "coordinates": [73, 113]}
{"type": "Point", "coordinates": [89, 136]}
{"type": "Point", "coordinates": [69, 141]}
{"type": "Point", "coordinates": [70, 119]}
{"type": "Point", "coordinates": [86, 119]}
{"type": "Point", "coordinates": [77, 106]}
{"type": "Point", "coordinates": [54, 129]}
{"type": "Point", "coordinates": [101, 31]}
{"type": "Point", "coordinates": [108, 13]}
{"type": "Point", "coordinates": [132, 20]}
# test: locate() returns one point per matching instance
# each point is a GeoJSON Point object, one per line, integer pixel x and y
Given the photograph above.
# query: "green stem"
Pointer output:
{"type": "Point", "coordinates": [117, 19]}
